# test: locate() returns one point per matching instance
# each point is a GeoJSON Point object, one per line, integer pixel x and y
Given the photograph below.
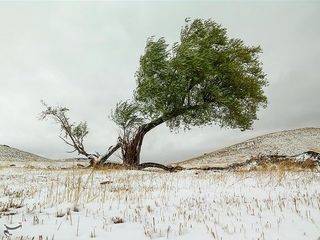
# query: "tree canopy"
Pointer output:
{"type": "Point", "coordinates": [205, 78]}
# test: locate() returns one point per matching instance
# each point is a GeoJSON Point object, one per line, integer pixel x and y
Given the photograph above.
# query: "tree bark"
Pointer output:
{"type": "Point", "coordinates": [112, 149]}
{"type": "Point", "coordinates": [131, 150]}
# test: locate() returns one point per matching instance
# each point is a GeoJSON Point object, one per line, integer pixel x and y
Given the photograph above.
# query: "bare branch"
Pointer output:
{"type": "Point", "coordinates": [111, 150]}
{"type": "Point", "coordinates": [72, 134]}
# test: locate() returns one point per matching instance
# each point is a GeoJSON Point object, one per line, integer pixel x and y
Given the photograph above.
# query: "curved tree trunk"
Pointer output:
{"type": "Point", "coordinates": [131, 150]}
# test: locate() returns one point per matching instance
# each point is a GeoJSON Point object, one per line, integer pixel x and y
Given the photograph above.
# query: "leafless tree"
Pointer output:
{"type": "Point", "coordinates": [71, 133]}
{"type": "Point", "coordinates": [74, 134]}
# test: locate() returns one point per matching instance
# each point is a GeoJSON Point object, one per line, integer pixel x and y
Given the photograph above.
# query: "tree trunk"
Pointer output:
{"type": "Point", "coordinates": [131, 150]}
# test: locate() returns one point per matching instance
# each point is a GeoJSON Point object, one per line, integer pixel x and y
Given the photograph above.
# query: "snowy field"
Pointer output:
{"type": "Point", "coordinates": [73, 204]}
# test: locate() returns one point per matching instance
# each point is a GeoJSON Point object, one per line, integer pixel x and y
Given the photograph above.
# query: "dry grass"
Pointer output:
{"type": "Point", "coordinates": [164, 204]}
{"type": "Point", "coordinates": [284, 165]}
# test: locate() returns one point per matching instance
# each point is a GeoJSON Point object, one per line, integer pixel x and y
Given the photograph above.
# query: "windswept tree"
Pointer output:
{"type": "Point", "coordinates": [205, 78]}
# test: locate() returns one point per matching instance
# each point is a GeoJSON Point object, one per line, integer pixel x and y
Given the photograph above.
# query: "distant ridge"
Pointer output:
{"type": "Point", "coordinates": [288, 142]}
{"type": "Point", "coordinates": [8, 153]}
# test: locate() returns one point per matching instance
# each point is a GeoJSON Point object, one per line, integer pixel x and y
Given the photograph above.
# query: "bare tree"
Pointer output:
{"type": "Point", "coordinates": [74, 134]}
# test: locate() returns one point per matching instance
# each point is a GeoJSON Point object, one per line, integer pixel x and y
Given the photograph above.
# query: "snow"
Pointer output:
{"type": "Point", "coordinates": [289, 142]}
{"type": "Point", "coordinates": [158, 205]}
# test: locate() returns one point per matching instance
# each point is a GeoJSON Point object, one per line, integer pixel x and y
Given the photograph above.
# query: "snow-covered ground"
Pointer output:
{"type": "Point", "coordinates": [72, 204]}
{"type": "Point", "coordinates": [289, 142]}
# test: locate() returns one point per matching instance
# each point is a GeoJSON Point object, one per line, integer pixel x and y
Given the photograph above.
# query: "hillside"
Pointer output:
{"type": "Point", "coordinates": [13, 154]}
{"type": "Point", "coordinates": [288, 142]}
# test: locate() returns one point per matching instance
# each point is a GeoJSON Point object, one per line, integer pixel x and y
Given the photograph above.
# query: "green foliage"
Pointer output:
{"type": "Point", "coordinates": [80, 130]}
{"type": "Point", "coordinates": [205, 78]}
{"type": "Point", "coordinates": [127, 116]}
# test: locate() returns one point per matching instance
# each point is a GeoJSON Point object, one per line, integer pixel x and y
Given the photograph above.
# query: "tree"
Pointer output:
{"type": "Point", "coordinates": [205, 78]}
{"type": "Point", "coordinates": [73, 134]}
{"type": "Point", "coordinates": [127, 117]}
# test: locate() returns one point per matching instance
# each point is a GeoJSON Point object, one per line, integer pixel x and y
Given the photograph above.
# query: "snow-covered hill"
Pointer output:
{"type": "Point", "coordinates": [13, 154]}
{"type": "Point", "coordinates": [52, 201]}
{"type": "Point", "coordinates": [288, 142]}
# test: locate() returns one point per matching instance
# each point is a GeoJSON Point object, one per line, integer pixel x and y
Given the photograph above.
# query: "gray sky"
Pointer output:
{"type": "Point", "coordinates": [84, 56]}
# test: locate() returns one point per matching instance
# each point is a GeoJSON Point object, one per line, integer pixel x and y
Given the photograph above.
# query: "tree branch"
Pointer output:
{"type": "Point", "coordinates": [111, 150]}
{"type": "Point", "coordinates": [72, 135]}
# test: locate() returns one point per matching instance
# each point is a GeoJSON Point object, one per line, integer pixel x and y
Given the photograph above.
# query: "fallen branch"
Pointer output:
{"type": "Point", "coordinates": [254, 161]}
{"type": "Point", "coordinates": [111, 151]}
{"type": "Point", "coordinates": [157, 165]}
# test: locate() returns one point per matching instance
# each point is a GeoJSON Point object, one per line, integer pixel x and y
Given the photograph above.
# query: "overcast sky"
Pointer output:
{"type": "Point", "coordinates": [84, 56]}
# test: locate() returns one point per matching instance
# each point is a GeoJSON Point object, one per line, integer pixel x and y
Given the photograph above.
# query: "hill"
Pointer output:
{"type": "Point", "coordinates": [13, 154]}
{"type": "Point", "coordinates": [289, 142]}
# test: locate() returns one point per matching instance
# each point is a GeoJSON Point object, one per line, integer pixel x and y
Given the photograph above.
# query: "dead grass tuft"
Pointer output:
{"type": "Point", "coordinates": [285, 164]}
